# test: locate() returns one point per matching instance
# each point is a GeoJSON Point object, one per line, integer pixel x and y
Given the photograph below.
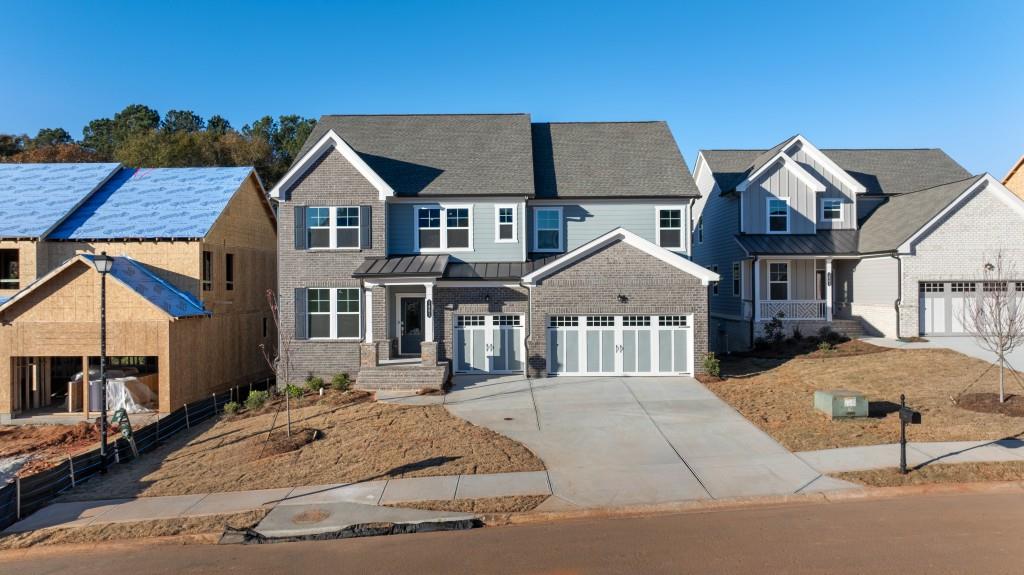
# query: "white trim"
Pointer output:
{"type": "Point", "coordinates": [498, 224]}
{"type": "Point", "coordinates": [331, 141]}
{"type": "Point", "coordinates": [821, 214]}
{"type": "Point", "coordinates": [768, 279]}
{"type": "Point", "coordinates": [987, 182]}
{"type": "Point", "coordinates": [618, 367]}
{"type": "Point", "coordinates": [815, 154]}
{"type": "Point", "coordinates": [768, 214]}
{"type": "Point", "coordinates": [620, 234]}
{"type": "Point", "coordinates": [488, 329]}
{"type": "Point", "coordinates": [443, 229]}
{"type": "Point", "coordinates": [791, 165]}
{"type": "Point", "coordinates": [334, 314]}
{"type": "Point", "coordinates": [368, 316]}
{"type": "Point", "coordinates": [476, 284]}
{"type": "Point", "coordinates": [332, 228]}
{"type": "Point", "coordinates": [561, 228]}
{"type": "Point", "coordinates": [398, 317]}
{"type": "Point", "coordinates": [682, 228]}
{"type": "Point", "coordinates": [826, 162]}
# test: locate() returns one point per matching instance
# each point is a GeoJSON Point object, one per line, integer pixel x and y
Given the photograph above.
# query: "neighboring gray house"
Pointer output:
{"type": "Point", "coordinates": [411, 245]}
{"type": "Point", "coordinates": [888, 242]}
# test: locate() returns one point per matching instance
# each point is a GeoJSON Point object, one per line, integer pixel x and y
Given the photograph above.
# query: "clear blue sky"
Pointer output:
{"type": "Point", "coordinates": [730, 75]}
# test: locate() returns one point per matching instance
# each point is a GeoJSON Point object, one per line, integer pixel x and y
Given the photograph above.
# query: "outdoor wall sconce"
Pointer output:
{"type": "Point", "coordinates": [487, 297]}
{"type": "Point", "coordinates": [430, 308]}
{"type": "Point", "coordinates": [623, 298]}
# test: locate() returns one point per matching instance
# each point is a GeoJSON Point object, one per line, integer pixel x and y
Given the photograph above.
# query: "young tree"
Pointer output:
{"type": "Point", "coordinates": [995, 317]}
{"type": "Point", "coordinates": [278, 356]}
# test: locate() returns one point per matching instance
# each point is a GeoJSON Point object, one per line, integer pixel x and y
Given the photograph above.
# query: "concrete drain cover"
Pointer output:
{"type": "Point", "coordinates": [308, 516]}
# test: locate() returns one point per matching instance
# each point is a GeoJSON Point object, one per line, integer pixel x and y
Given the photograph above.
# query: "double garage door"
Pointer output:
{"type": "Point", "coordinates": [620, 345]}
{"type": "Point", "coordinates": [943, 306]}
{"type": "Point", "coordinates": [489, 344]}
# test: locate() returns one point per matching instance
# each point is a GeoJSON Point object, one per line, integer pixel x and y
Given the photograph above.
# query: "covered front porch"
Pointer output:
{"type": "Point", "coordinates": [801, 288]}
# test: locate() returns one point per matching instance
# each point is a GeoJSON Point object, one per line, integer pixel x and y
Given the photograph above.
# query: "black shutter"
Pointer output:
{"type": "Point", "coordinates": [300, 227]}
{"type": "Point", "coordinates": [300, 313]}
{"type": "Point", "coordinates": [365, 227]}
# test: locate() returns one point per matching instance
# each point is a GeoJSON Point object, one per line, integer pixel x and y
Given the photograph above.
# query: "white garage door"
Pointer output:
{"type": "Point", "coordinates": [620, 345]}
{"type": "Point", "coordinates": [489, 344]}
{"type": "Point", "coordinates": [942, 306]}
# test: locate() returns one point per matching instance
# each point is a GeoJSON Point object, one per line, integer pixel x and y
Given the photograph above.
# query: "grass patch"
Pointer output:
{"type": "Point", "coordinates": [778, 395]}
{"type": "Point", "coordinates": [508, 504]}
{"type": "Point", "coordinates": [356, 441]}
{"type": "Point", "coordinates": [211, 524]}
{"type": "Point", "coordinates": [938, 473]}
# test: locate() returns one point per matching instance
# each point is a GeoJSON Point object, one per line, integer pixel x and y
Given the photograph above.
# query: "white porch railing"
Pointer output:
{"type": "Point", "coordinates": [793, 309]}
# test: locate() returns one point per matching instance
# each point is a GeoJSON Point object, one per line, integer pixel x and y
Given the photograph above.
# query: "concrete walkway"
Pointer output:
{"type": "Point", "coordinates": [882, 456]}
{"type": "Point", "coordinates": [611, 441]}
{"type": "Point", "coordinates": [965, 345]}
{"type": "Point", "coordinates": [389, 491]}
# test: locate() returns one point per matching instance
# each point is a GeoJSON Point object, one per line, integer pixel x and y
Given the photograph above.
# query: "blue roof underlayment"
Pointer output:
{"type": "Point", "coordinates": [177, 303]}
{"type": "Point", "coordinates": [35, 197]}
{"type": "Point", "coordinates": [150, 203]}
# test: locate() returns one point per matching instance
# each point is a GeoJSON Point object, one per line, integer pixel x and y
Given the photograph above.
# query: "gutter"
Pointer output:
{"type": "Point", "coordinates": [753, 290]}
{"type": "Point", "coordinates": [899, 290]}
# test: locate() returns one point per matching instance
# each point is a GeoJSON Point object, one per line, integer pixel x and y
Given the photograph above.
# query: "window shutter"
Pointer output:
{"type": "Point", "coordinates": [365, 227]}
{"type": "Point", "coordinates": [300, 227]}
{"type": "Point", "coordinates": [300, 313]}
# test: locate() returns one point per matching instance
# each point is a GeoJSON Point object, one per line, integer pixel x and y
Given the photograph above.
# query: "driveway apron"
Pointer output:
{"type": "Point", "coordinates": [613, 441]}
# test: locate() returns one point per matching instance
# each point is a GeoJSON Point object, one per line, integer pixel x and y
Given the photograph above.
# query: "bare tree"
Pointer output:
{"type": "Point", "coordinates": [278, 356]}
{"type": "Point", "coordinates": [995, 317]}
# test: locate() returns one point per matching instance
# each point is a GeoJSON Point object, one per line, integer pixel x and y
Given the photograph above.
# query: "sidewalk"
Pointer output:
{"type": "Point", "coordinates": [881, 456]}
{"type": "Point", "coordinates": [445, 487]}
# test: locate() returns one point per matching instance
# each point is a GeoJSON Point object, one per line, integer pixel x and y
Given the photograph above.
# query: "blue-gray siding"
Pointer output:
{"type": "Point", "coordinates": [584, 221]}
{"type": "Point", "coordinates": [401, 227]}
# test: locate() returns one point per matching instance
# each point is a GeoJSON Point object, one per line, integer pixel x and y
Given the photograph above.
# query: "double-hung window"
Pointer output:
{"type": "Point", "coordinates": [778, 215]}
{"type": "Point", "coordinates": [505, 224]}
{"type": "Point", "coordinates": [670, 228]}
{"type": "Point", "coordinates": [737, 286]}
{"type": "Point", "coordinates": [333, 313]}
{"type": "Point", "coordinates": [9, 269]}
{"type": "Point", "coordinates": [831, 210]}
{"type": "Point", "coordinates": [778, 280]}
{"type": "Point", "coordinates": [332, 227]}
{"type": "Point", "coordinates": [441, 228]}
{"type": "Point", "coordinates": [547, 229]}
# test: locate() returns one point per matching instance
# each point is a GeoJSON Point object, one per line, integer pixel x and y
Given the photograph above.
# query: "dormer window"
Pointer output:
{"type": "Point", "coordinates": [831, 210]}
{"type": "Point", "coordinates": [778, 215]}
{"type": "Point", "coordinates": [443, 228]}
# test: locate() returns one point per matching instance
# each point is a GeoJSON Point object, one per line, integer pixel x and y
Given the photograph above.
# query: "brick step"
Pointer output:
{"type": "Point", "coordinates": [402, 377]}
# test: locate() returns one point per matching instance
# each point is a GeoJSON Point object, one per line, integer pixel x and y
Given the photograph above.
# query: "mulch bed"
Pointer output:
{"type": "Point", "coordinates": [280, 442]}
{"type": "Point", "coordinates": [989, 403]}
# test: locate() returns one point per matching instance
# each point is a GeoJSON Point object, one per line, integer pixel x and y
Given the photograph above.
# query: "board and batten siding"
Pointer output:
{"type": "Point", "coordinates": [834, 188]}
{"type": "Point", "coordinates": [402, 227]}
{"type": "Point", "coordinates": [584, 221]}
{"type": "Point", "coordinates": [803, 283]}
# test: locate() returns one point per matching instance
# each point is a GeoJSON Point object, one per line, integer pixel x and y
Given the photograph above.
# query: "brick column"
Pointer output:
{"type": "Point", "coordinates": [367, 355]}
{"type": "Point", "coordinates": [428, 353]}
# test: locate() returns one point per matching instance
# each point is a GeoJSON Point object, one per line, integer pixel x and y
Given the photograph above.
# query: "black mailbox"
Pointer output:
{"type": "Point", "coordinates": [908, 415]}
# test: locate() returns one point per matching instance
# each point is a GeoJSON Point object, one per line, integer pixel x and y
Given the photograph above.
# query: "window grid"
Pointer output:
{"type": "Point", "coordinates": [513, 320]}
{"type": "Point", "coordinates": [996, 286]}
{"type": "Point", "coordinates": [963, 287]}
{"type": "Point", "coordinates": [636, 320]}
{"type": "Point", "coordinates": [564, 321]}
{"type": "Point", "coordinates": [778, 215]}
{"type": "Point", "coordinates": [672, 320]}
{"type": "Point", "coordinates": [832, 209]}
{"type": "Point", "coordinates": [470, 320]}
{"type": "Point", "coordinates": [549, 229]}
{"type": "Point", "coordinates": [932, 287]}
{"type": "Point", "coordinates": [736, 279]}
{"type": "Point", "coordinates": [670, 228]}
{"type": "Point", "coordinates": [601, 321]}
{"type": "Point", "coordinates": [506, 224]}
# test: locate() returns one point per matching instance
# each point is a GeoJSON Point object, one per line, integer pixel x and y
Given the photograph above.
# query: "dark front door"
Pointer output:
{"type": "Point", "coordinates": [410, 328]}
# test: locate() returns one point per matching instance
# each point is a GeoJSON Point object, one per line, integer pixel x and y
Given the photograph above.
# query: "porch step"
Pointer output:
{"type": "Point", "coordinates": [851, 328]}
{"type": "Point", "coordinates": [404, 377]}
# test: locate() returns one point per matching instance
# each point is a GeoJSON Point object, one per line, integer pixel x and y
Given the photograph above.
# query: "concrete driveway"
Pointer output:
{"type": "Point", "coordinates": [963, 344]}
{"type": "Point", "coordinates": [611, 441]}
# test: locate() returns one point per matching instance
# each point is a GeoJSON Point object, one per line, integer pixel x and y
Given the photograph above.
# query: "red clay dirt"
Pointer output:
{"type": "Point", "coordinates": [45, 443]}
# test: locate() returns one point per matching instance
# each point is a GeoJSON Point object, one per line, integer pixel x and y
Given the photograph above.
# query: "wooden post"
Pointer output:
{"type": "Point", "coordinates": [85, 386]}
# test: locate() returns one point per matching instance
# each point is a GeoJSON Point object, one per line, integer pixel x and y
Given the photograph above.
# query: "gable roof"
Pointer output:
{"type": "Point", "coordinates": [880, 171]}
{"type": "Point", "coordinates": [150, 203]}
{"type": "Point", "coordinates": [37, 197]}
{"type": "Point", "coordinates": [554, 264]}
{"type": "Point", "coordinates": [174, 302]}
{"type": "Point", "coordinates": [439, 155]}
{"type": "Point", "coordinates": [609, 159]}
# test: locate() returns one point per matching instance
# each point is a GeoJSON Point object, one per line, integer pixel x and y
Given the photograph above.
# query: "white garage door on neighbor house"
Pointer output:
{"type": "Point", "coordinates": [620, 345]}
{"type": "Point", "coordinates": [943, 306]}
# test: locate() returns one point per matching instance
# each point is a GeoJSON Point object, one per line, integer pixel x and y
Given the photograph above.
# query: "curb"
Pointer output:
{"type": "Point", "coordinates": [735, 503]}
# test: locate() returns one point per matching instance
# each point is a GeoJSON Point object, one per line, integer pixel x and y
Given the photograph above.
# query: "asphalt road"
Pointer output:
{"type": "Point", "coordinates": [971, 533]}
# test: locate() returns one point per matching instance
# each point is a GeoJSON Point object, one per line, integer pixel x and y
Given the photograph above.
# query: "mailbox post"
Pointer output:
{"type": "Point", "coordinates": [910, 416]}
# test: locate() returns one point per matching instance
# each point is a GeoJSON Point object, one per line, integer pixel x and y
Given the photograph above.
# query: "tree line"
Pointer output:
{"type": "Point", "coordinates": [139, 136]}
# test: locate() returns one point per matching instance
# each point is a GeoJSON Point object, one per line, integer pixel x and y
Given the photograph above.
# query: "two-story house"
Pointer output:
{"type": "Point", "coordinates": [885, 241]}
{"type": "Point", "coordinates": [194, 253]}
{"type": "Point", "coordinates": [411, 245]}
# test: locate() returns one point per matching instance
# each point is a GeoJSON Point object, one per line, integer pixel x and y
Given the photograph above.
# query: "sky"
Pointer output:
{"type": "Point", "coordinates": [722, 74]}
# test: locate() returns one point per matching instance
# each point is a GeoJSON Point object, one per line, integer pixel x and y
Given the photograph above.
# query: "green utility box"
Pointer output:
{"type": "Point", "coordinates": [840, 403]}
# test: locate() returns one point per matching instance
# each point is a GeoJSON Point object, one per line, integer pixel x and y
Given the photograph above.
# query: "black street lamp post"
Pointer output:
{"type": "Point", "coordinates": [103, 263]}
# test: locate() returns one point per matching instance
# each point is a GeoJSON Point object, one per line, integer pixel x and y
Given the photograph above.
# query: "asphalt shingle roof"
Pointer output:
{"type": "Point", "coordinates": [35, 197]}
{"type": "Point", "coordinates": [609, 159]}
{"type": "Point", "coordinates": [440, 155]}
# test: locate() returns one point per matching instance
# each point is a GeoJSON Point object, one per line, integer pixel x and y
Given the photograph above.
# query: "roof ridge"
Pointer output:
{"type": "Point", "coordinates": [605, 122]}
{"type": "Point", "coordinates": [972, 177]}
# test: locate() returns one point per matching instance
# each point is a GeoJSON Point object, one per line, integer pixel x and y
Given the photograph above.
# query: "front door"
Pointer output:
{"type": "Point", "coordinates": [410, 325]}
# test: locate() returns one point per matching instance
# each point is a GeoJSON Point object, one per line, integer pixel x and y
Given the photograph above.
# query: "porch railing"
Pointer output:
{"type": "Point", "coordinates": [793, 309]}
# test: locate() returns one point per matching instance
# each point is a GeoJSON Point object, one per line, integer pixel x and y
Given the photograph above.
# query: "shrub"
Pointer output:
{"type": "Point", "coordinates": [760, 343]}
{"type": "Point", "coordinates": [231, 407]}
{"type": "Point", "coordinates": [797, 335]}
{"type": "Point", "coordinates": [314, 383]}
{"type": "Point", "coordinates": [256, 400]}
{"type": "Point", "coordinates": [833, 337]}
{"type": "Point", "coordinates": [774, 331]}
{"type": "Point", "coordinates": [712, 365]}
{"type": "Point", "coordinates": [825, 346]}
{"type": "Point", "coordinates": [340, 382]}
{"type": "Point", "coordinates": [293, 391]}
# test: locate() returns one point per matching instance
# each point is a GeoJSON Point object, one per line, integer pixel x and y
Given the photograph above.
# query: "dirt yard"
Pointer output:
{"type": "Point", "coordinates": [356, 440]}
{"type": "Point", "coordinates": [509, 504]}
{"type": "Point", "coordinates": [44, 444]}
{"type": "Point", "coordinates": [778, 395]}
{"type": "Point", "coordinates": [944, 473]}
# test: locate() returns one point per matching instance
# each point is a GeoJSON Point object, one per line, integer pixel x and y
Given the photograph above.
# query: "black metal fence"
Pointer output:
{"type": "Point", "coordinates": [27, 494]}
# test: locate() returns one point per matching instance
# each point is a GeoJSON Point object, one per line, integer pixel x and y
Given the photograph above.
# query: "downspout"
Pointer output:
{"type": "Point", "coordinates": [753, 277]}
{"type": "Point", "coordinates": [529, 324]}
{"type": "Point", "coordinates": [899, 289]}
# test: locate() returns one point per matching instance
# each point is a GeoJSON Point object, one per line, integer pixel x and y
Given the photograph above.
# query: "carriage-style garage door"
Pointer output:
{"type": "Point", "coordinates": [942, 306]}
{"type": "Point", "coordinates": [489, 344]}
{"type": "Point", "coordinates": [620, 345]}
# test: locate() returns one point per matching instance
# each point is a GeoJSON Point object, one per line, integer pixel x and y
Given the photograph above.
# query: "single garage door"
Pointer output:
{"type": "Point", "coordinates": [489, 344]}
{"type": "Point", "coordinates": [942, 306]}
{"type": "Point", "coordinates": [620, 345]}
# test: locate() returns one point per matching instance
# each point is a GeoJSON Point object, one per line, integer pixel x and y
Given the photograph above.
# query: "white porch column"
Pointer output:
{"type": "Point", "coordinates": [368, 315]}
{"type": "Point", "coordinates": [428, 304]}
{"type": "Point", "coordinates": [757, 289]}
{"type": "Point", "coordinates": [828, 289]}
